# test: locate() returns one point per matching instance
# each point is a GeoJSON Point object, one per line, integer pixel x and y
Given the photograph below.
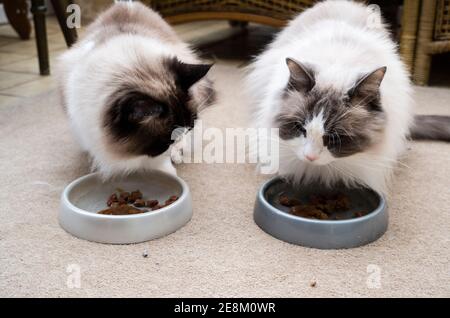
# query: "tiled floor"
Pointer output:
{"type": "Point", "coordinates": [19, 70]}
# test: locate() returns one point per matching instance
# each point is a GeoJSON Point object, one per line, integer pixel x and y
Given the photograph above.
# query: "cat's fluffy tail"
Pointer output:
{"type": "Point", "coordinates": [431, 127]}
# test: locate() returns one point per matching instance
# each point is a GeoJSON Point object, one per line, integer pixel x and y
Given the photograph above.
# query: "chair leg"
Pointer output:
{"type": "Point", "coordinates": [17, 11]}
{"type": "Point", "coordinates": [422, 63]}
{"type": "Point", "coordinates": [39, 9]}
{"type": "Point", "coordinates": [70, 35]}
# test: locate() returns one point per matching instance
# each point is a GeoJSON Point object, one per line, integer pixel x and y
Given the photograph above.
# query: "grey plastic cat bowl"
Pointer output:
{"type": "Point", "coordinates": [87, 195]}
{"type": "Point", "coordinates": [274, 218]}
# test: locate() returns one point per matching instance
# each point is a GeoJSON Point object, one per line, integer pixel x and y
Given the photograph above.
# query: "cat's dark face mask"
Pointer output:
{"type": "Point", "coordinates": [140, 124]}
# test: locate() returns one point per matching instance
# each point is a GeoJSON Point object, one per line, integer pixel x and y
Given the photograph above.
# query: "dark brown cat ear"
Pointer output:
{"type": "Point", "coordinates": [301, 78]}
{"type": "Point", "coordinates": [189, 74]}
{"type": "Point", "coordinates": [368, 86]}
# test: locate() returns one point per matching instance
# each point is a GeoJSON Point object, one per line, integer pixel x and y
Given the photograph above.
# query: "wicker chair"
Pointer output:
{"type": "Point", "coordinates": [426, 31]}
{"type": "Point", "coordinates": [425, 23]}
{"type": "Point", "coordinates": [274, 13]}
{"type": "Point", "coordinates": [433, 37]}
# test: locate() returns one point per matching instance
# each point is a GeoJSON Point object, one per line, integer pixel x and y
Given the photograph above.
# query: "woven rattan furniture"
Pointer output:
{"type": "Point", "coordinates": [270, 12]}
{"type": "Point", "coordinates": [425, 23]}
{"type": "Point", "coordinates": [408, 39]}
{"type": "Point", "coordinates": [433, 37]}
{"type": "Point", "coordinates": [426, 31]}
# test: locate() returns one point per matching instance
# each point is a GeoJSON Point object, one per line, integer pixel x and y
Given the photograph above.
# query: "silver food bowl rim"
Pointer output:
{"type": "Point", "coordinates": [93, 214]}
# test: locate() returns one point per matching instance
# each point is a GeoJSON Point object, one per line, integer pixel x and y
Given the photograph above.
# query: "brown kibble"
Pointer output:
{"type": "Point", "coordinates": [308, 211]}
{"type": "Point", "coordinates": [315, 199]}
{"type": "Point", "coordinates": [139, 203]}
{"type": "Point", "coordinates": [124, 196]}
{"type": "Point", "coordinates": [287, 201]}
{"type": "Point", "coordinates": [112, 199]}
{"type": "Point", "coordinates": [284, 199]}
{"type": "Point", "coordinates": [151, 203]}
{"type": "Point", "coordinates": [126, 203]}
{"type": "Point", "coordinates": [313, 284]}
{"type": "Point", "coordinates": [171, 200]}
{"type": "Point", "coordinates": [121, 210]}
{"type": "Point", "coordinates": [135, 195]}
{"type": "Point", "coordinates": [321, 206]}
{"type": "Point", "coordinates": [342, 202]}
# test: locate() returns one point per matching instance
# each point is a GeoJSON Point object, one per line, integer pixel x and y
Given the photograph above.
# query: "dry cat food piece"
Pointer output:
{"type": "Point", "coordinates": [319, 206]}
{"type": "Point", "coordinates": [126, 203]}
{"type": "Point", "coordinates": [308, 211]}
{"type": "Point", "coordinates": [124, 196]}
{"type": "Point", "coordinates": [335, 203]}
{"type": "Point", "coordinates": [287, 201]}
{"type": "Point", "coordinates": [112, 199]}
{"type": "Point", "coordinates": [139, 203]}
{"type": "Point", "coordinates": [171, 200]}
{"type": "Point", "coordinates": [134, 196]}
{"type": "Point", "coordinates": [151, 203]}
{"type": "Point", "coordinates": [123, 209]}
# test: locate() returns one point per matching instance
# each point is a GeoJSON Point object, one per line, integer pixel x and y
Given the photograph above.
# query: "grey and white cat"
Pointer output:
{"type": "Point", "coordinates": [334, 85]}
{"type": "Point", "coordinates": [127, 85]}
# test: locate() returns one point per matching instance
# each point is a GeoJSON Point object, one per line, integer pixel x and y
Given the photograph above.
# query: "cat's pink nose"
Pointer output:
{"type": "Point", "coordinates": [312, 157]}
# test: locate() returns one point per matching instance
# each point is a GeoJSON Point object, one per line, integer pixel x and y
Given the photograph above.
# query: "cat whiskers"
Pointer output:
{"type": "Point", "coordinates": [377, 158]}
{"type": "Point", "coordinates": [343, 171]}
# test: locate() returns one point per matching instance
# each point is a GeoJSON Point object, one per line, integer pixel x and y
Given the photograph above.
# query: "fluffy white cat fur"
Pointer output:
{"type": "Point", "coordinates": [341, 41]}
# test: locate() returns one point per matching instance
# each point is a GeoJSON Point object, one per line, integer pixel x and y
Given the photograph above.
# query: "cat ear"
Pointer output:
{"type": "Point", "coordinates": [369, 85]}
{"type": "Point", "coordinates": [189, 74]}
{"type": "Point", "coordinates": [301, 78]}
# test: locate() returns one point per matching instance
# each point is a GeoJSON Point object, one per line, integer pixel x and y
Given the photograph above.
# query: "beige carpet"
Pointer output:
{"type": "Point", "coordinates": [221, 252]}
